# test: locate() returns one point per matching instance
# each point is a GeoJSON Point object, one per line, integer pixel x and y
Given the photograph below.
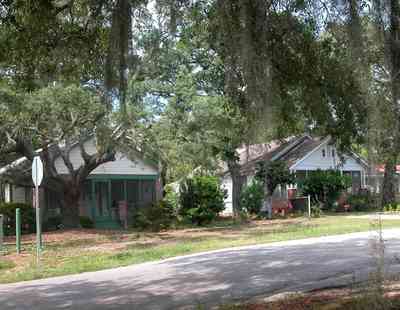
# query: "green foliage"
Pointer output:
{"type": "Point", "coordinates": [86, 222]}
{"type": "Point", "coordinates": [52, 223]}
{"type": "Point", "coordinates": [76, 113]}
{"type": "Point", "coordinates": [201, 199]}
{"type": "Point", "coordinates": [316, 210]}
{"type": "Point", "coordinates": [393, 207]}
{"type": "Point", "coordinates": [6, 264]}
{"type": "Point", "coordinates": [27, 217]}
{"type": "Point", "coordinates": [76, 30]}
{"type": "Point", "coordinates": [158, 216]}
{"type": "Point", "coordinates": [171, 197]}
{"type": "Point", "coordinates": [273, 173]}
{"type": "Point", "coordinates": [252, 197]}
{"type": "Point", "coordinates": [365, 201]}
{"type": "Point", "coordinates": [324, 186]}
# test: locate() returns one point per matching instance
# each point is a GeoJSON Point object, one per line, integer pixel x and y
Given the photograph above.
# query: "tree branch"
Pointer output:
{"type": "Point", "coordinates": [65, 157]}
{"type": "Point", "coordinates": [86, 157]}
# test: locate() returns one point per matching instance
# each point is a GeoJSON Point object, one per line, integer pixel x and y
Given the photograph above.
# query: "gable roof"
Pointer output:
{"type": "Point", "coordinates": [24, 164]}
{"type": "Point", "coordinates": [292, 150]}
{"type": "Point", "coordinates": [278, 152]}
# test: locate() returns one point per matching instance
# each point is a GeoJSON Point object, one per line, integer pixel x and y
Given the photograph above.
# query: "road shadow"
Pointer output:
{"type": "Point", "coordinates": [206, 279]}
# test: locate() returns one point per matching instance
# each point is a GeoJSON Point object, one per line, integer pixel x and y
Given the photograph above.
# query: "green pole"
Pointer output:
{"type": "Point", "coordinates": [1, 232]}
{"type": "Point", "coordinates": [38, 231]}
{"type": "Point", "coordinates": [18, 230]}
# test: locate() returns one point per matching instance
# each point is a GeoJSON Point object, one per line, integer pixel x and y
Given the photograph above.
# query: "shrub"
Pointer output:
{"type": "Point", "coordinates": [27, 217]}
{"type": "Point", "coordinates": [155, 217]}
{"type": "Point", "coordinates": [325, 186]}
{"type": "Point", "coordinates": [171, 198]}
{"type": "Point", "coordinates": [363, 201]}
{"type": "Point", "coordinates": [201, 199]}
{"type": "Point", "coordinates": [273, 173]}
{"type": "Point", "coordinates": [316, 211]}
{"type": "Point", "coordinates": [391, 207]}
{"type": "Point", "coordinates": [86, 222]}
{"type": "Point", "coordinates": [52, 223]}
{"type": "Point", "coordinates": [252, 197]}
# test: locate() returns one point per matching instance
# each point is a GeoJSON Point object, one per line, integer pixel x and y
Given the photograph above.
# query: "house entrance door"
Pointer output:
{"type": "Point", "coordinates": [105, 214]}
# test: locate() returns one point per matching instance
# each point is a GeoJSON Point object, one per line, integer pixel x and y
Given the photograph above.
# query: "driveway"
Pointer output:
{"type": "Point", "coordinates": [210, 278]}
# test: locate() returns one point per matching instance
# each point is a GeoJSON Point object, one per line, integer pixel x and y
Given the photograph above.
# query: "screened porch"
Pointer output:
{"type": "Point", "coordinates": [102, 196]}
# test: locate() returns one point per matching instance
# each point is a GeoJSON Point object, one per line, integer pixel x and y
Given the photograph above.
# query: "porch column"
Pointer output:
{"type": "Point", "coordinates": [125, 191]}
{"type": "Point", "coordinates": [93, 202]}
{"type": "Point", "coordinates": [109, 193]}
{"type": "Point", "coordinates": [363, 181]}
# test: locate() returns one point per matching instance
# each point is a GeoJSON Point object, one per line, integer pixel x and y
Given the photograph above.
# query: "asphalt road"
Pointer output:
{"type": "Point", "coordinates": [212, 278]}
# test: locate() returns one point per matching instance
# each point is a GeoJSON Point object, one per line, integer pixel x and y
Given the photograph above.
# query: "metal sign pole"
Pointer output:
{"type": "Point", "coordinates": [37, 224]}
{"type": "Point", "coordinates": [309, 206]}
{"type": "Point", "coordinates": [18, 230]}
{"type": "Point", "coordinates": [37, 176]}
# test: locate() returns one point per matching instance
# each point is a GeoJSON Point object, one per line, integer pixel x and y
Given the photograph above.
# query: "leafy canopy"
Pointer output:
{"type": "Point", "coordinates": [50, 115]}
{"type": "Point", "coordinates": [273, 173]}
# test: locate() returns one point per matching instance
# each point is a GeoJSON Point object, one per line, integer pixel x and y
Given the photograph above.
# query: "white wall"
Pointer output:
{"type": "Point", "coordinates": [315, 160]}
{"type": "Point", "coordinates": [7, 192]}
{"type": "Point", "coordinates": [122, 165]}
{"type": "Point", "coordinates": [18, 194]}
{"type": "Point", "coordinates": [227, 185]}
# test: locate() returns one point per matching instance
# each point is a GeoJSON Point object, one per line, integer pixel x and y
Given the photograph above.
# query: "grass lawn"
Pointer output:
{"type": "Point", "coordinates": [77, 251]}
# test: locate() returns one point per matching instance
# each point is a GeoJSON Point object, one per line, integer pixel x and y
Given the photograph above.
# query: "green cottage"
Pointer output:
{"type": "Point", "coordinates": [128, 182]}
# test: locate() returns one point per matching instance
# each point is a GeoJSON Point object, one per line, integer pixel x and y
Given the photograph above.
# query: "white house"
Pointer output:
{"type": "Point", "coordinates": [302, 155]}
{"type": "Point", "coordinates": [129, 179]}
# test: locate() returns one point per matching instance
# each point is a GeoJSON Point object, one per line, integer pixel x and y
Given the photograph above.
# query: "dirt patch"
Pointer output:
{"type": "Point", "coordinates": [326, 299]}
{"type": "Point", "coordinates": [110, 241]}
{"type": "Point", "coordinates": [63, 236]}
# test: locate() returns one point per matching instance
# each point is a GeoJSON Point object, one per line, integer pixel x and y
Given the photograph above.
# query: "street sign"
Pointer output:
{"type": "Point", "coordinates": [37, 171]}
{"type": "Point", "coordinates": [37, 177]}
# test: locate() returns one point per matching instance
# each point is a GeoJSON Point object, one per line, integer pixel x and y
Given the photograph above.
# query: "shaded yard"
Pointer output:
{"type": "Point", "coordinates": [76, 251]}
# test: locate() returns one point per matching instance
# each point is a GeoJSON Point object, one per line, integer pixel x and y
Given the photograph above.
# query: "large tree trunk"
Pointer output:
{"type": "Point", "coordinates": [234, 170]}
{"type": "Point", "coordinates": [389, 182]}
{"type": "Point", "coordinates": [70, 205]}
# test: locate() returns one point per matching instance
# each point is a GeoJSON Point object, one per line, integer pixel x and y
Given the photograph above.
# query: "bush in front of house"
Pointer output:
{"type": "Point", "coordinates": [201, 199]}
{"type": "Point", "coordinates": [157, 216]}
{"type": "Point", "coordinates": [171, 197]}
{"type": "Point", "coordinates": [325, 187]}
{"type": "Point", "coordinates": [27, 217]}
{"type": "Point", "coordinates": [252, 196]}
{"type": "Point", "coordinates": [86, 222]}
{"type": "Point", "coordinates": [52, 223]}
{"type": "Point", "coordinates": [393, 207]}
{"type": "Point", "coordinates": [363, 201]}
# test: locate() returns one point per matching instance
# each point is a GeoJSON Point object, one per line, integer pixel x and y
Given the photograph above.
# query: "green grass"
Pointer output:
{"type": "Point", "coordinates": [74, 257]}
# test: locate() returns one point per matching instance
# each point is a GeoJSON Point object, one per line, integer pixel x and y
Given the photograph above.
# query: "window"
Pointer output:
{"type": "Point", "coordinates": [7, 193]}
{"type": "Point", "coordinates": [323, 153]}
{"type": "Point", "coordinates": [333, 153]}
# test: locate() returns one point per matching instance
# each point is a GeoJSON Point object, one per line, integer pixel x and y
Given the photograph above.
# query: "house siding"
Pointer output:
{"type": "Point", "coordinates": [227, 185]}
{"type": "Point", "coordinates": [18, 194]}
{"type": "Point", "coordinates": [122, 165]}
{"type": "Point", "coordinates": [315, 160]}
